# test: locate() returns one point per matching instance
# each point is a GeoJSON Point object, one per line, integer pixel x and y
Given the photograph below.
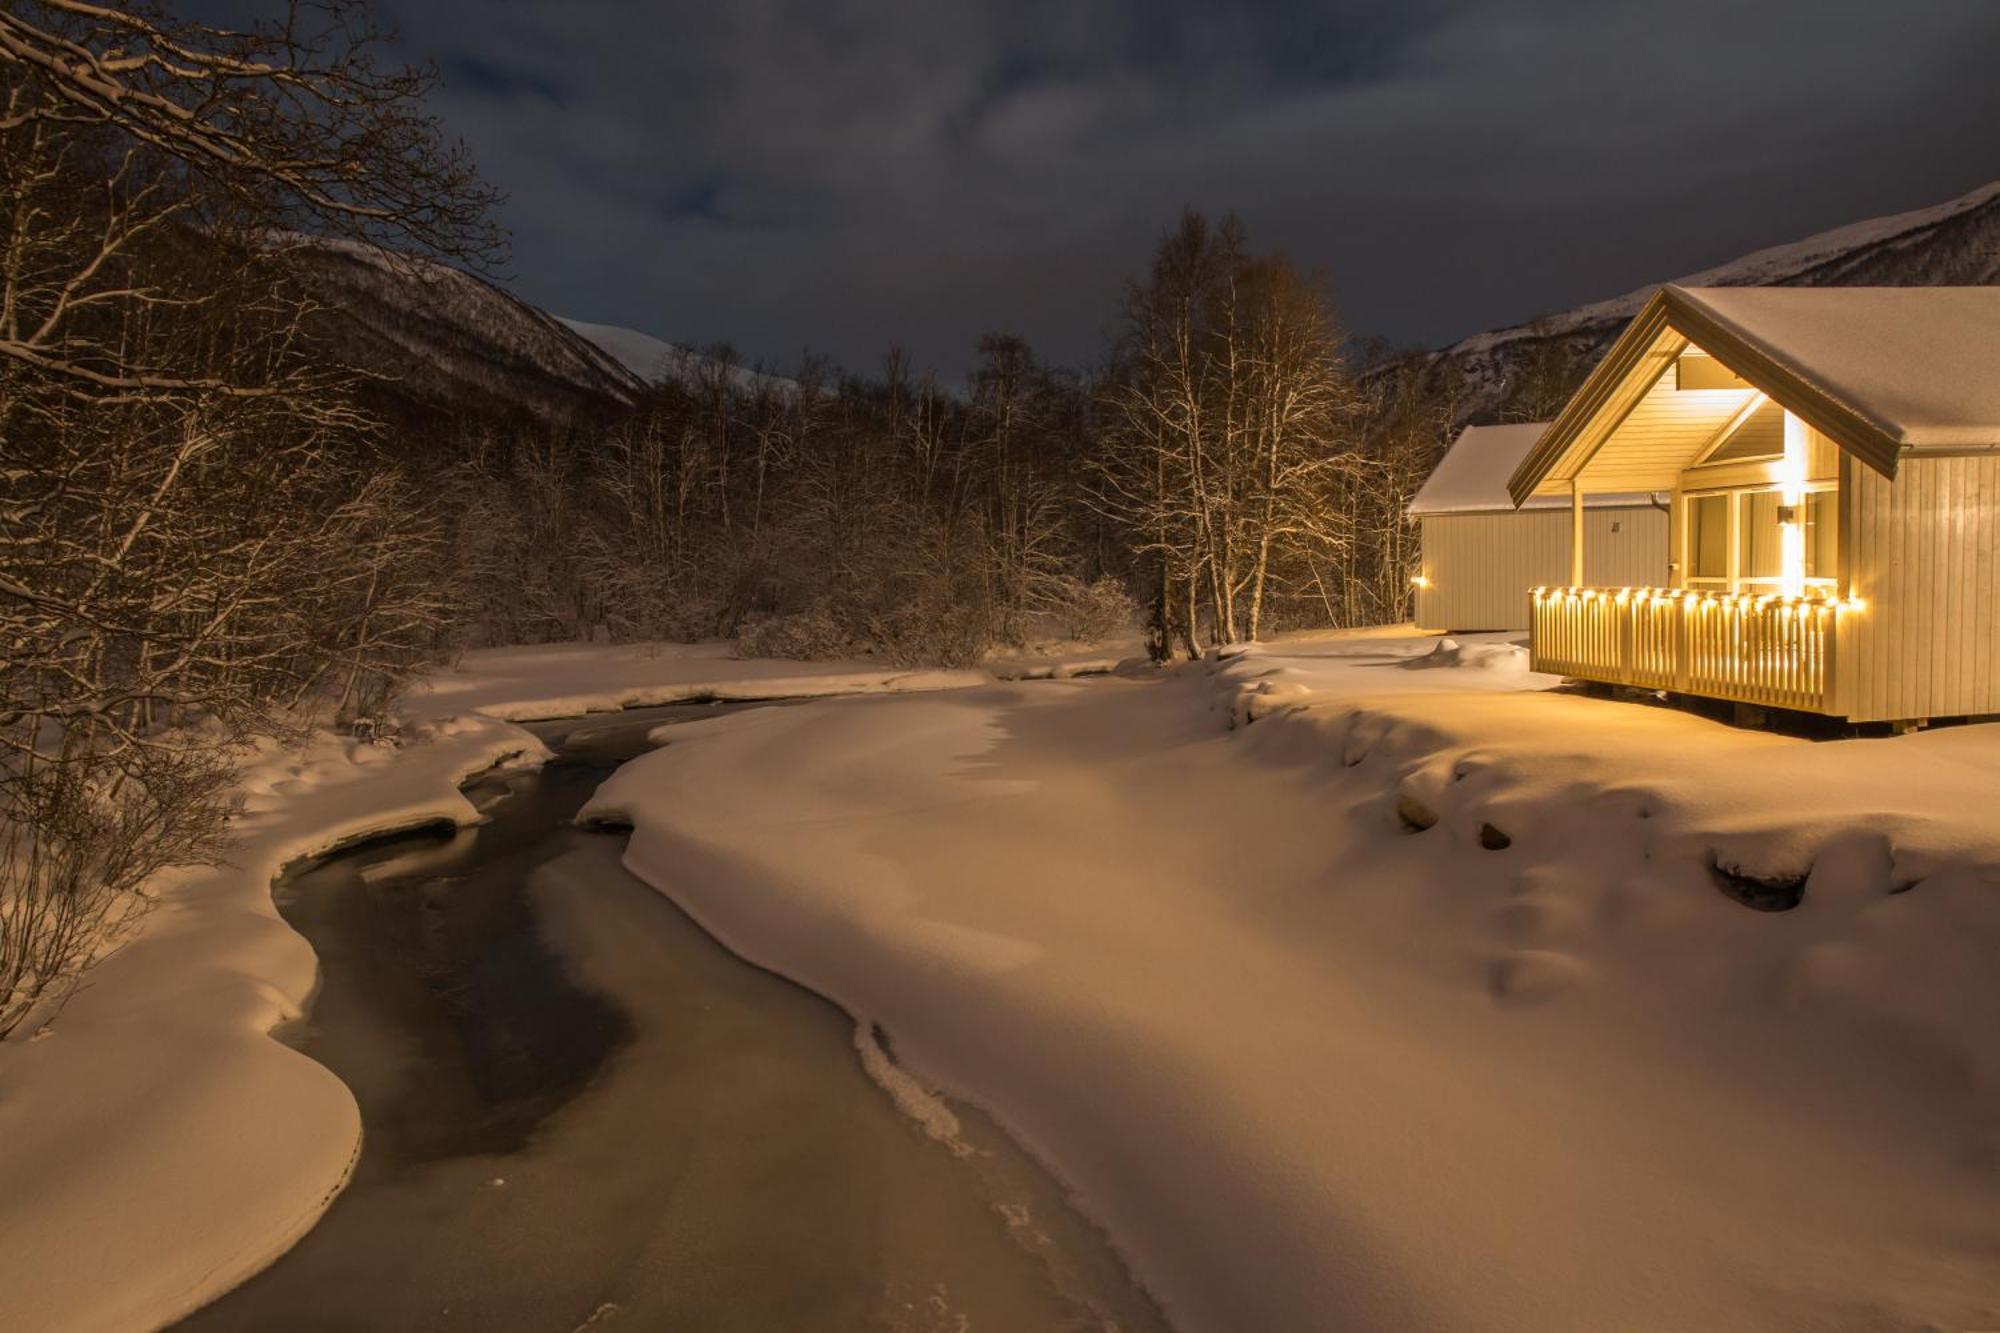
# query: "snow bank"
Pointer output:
{"type": "Point", "coordinates": [1510, 658]}
{"type": "Point", "coordinates": [566, 680]}
{"type": "Point", "coordinates": [157, 1146]}
{"type": "Point", "coordinates": [1068, 660]}
{"type": "Point", "coordinates": [1530, 1068]}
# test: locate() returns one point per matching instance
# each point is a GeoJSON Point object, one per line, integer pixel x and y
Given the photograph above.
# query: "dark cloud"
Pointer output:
{"type": "Point", "coordinates": [847, 175]}
{"type": "Point", "coordinates": [479, 76]}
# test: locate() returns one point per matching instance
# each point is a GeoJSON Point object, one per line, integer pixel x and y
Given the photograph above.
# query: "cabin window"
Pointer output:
{"type": "Point", "coordinates": [1708, 540]}
{"type": "Point", "coordinates": [1735, 539]}
{"type": "Point", "coordinates": [1696, 369]}
{"type": "Point", "coordinates": [1760, 553]}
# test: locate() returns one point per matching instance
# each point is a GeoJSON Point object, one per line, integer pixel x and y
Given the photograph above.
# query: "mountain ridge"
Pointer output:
{"type": "Point", "coordinates": [452, 341]}
{"type": "Point", "coordinates": [1524, 371]}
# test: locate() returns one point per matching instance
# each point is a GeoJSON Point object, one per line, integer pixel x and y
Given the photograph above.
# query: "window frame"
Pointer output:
{"type": "Point", "coordinates": [1735, 581]}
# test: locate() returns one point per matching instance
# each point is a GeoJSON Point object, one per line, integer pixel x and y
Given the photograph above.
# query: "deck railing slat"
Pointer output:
{"type": "Point", "coordinates": [1760, 650]}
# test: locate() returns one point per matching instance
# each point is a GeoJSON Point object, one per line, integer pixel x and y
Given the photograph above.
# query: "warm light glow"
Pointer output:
{"type": "Point", "coordinates": [1817, 601]}
{"type": "Point", "coordinates": [1420, 581]}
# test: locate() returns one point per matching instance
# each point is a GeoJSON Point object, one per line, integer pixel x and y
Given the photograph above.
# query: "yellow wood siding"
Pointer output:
{"type": "Point", "coordinates": [1481, 566]}
{"type": "Point", "coordinates": [1660, 436]}
{"type": "Point", "coordinates": [1921, 554]}
{"type": "Point", "coordinates": [1632, 556]}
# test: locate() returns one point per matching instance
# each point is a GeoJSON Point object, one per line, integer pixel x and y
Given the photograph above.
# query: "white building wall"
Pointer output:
{"type": "Point", "coordinates": [1480, 567]}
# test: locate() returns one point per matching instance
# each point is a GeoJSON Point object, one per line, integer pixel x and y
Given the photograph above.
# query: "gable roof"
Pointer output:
{"type": "Point", "coordinates": [1473, 473]}
{"type": "Point", "coordinates": [1471, 478]}
{"type": "Point", "coordinates": [1876, 369]}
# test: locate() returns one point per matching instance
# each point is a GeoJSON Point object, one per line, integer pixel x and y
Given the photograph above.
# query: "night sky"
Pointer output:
{"type": "Point", "coordinates": [845, 176]}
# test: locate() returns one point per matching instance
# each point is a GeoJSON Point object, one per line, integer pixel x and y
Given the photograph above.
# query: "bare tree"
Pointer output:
{"type": "Point", "coordinates": [1228, 440]}
{"type": "Point", "coordinates": [196, 538]}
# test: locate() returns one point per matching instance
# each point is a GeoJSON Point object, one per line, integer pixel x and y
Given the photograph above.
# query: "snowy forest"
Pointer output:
{"type": "Point", "coordinates": [215, 525]}
{"type": "Point", "coordinates": [1222, 476]}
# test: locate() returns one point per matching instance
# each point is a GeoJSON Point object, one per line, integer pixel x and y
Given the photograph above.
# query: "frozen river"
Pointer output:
{"type": "Point", "coordinates": [580, 1111]}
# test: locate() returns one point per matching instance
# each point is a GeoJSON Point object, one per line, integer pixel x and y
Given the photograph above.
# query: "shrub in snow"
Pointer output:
{"type": "Point", "coordinates": [933, 630]}
{"type": "Point", "coordinates": [1090, 611]}
{"type": "Point", "coordinates": [805, 636]}
{"type": "Point", "coordinates": [79, 840]}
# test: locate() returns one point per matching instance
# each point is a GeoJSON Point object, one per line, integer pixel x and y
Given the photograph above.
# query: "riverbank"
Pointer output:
{"type": "Point", "coordinates": [571, 679]}
{"type": "Point", "coordinates": [578, 1105]}
{"type": "Point", "coordinates": [157, 1145]}
{"type": "Point", "coordinates": [1358, 981]}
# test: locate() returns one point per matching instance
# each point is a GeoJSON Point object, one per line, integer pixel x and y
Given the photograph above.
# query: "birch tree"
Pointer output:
{"type": "Point", "coordinates": [197, 537]}
{"type": "Point", "coordinates": [1228, 438]}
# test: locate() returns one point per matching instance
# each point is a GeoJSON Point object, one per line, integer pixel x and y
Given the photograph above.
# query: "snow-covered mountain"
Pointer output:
{"type": "Point", "coordinates": [455, 342]}
{"type": "Point", "coordinates": [1950, 244]}
{"type": "Point", "coordinates": [446, 340]}
{"type": "Point", "coordinates": [659, 362]}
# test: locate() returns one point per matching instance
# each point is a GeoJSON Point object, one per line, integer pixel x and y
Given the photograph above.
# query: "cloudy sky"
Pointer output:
{"type": "Point", "coordinates": [844, 175]}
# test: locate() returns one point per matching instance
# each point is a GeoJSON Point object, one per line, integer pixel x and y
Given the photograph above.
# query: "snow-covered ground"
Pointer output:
{"type": "Point", "coordinates": [1310, 1067]}
{"type": "Point", "coordinates": [1365, 982]}
{"type": "Point", "coordinates": [157, 1146]}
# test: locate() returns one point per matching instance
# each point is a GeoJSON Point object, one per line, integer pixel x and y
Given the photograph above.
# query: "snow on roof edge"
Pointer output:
{"type": "Point", "coordinates": [1909, 361]}
{"type": "Point", "coordinates": [1472, 476]}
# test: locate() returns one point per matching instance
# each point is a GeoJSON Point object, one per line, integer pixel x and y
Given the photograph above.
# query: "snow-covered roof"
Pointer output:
{"type": "Point", "coordinates": [1471, 478]}
{"type": "Point", "coordinates": [1878, 370]}
{"type": "Point", "coordinates": [1473, 473]}
{"type": "Point", "coordinates": [1920, 364]}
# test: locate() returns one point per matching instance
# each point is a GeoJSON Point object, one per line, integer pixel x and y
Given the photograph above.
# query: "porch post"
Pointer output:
{"type": "Point", "coordinates": [1575, 534]}
{"type": "Point", "coordinates": [1792, 495]}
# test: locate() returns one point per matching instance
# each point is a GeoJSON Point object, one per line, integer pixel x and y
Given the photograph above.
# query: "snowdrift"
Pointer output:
{"type": "Point", "coordinates": [157, 1145]}
{"type": "Point", "coordinates": [1430, 1000]}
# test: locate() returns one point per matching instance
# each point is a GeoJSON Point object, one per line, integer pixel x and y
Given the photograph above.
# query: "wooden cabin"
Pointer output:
{"type": "Point", "coordinates": [1832, 457]}
{"type": "Point", "coordinates": [1480, 550]}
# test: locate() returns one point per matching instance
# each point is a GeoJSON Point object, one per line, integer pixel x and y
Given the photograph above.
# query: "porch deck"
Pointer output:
{"type": "Point", "coordinates": [1777, 652]}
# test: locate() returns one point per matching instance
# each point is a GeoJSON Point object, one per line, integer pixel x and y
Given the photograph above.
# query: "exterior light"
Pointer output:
{"type": "Point", "coordinates": [1419, 581]}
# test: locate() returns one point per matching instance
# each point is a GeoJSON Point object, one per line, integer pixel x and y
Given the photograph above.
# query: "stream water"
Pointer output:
{"type": "Point", "coordinates": [579, 1111]}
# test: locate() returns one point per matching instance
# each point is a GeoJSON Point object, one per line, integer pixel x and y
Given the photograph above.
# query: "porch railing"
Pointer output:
{"type": "Point", "coordinates": [1774, 651]}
